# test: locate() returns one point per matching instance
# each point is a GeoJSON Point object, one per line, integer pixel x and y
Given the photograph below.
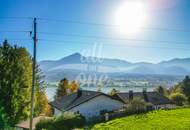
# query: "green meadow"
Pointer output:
{"type": "Point", "coordinates": [177, 119]}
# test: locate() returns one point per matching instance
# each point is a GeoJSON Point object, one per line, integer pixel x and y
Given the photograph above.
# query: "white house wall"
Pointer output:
{"type": "Point", "coordinates": [94, 106]}
{"type": "Point", "coordinates": [57, 112]}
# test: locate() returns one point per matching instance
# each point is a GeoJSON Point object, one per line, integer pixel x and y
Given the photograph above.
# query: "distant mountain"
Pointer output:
{"type": "Point", "coordinates": [72, 65]}
{"type": "Point", "coordinates": [184, 63]}
{"type": "Point", "coordinates": [71, 59]}
{"type": "Point", "coordinates": [75, 62]}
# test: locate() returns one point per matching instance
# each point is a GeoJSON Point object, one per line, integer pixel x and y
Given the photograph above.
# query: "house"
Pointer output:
{"type": "Point", "coordinates": [154, 98]}
{"type": "Point", "coordinates": [92, 103]}
{"type": "Point", "coordinates": [87, 103]}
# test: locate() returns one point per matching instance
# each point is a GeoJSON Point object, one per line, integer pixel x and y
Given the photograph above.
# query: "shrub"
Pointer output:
{"type": "Point", "coordinates": [66, 121]}
{"type": "Point", "coordinates": [137, 105]}
{"type": "Point", "coordinates": [179, 98]}
{"type": "Point", "coordinates": [45, 124]}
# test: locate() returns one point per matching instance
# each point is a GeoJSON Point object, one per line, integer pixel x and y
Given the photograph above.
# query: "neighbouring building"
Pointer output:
{"type": "Point", "coordinates": [157, 100]}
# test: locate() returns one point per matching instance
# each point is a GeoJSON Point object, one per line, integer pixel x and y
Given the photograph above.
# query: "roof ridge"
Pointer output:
{"type": "Point", "coordinates": [84, 100]}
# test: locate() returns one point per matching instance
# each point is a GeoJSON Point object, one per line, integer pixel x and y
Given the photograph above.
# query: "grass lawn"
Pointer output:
{"type": "Point", "coordinates": [178, 119]}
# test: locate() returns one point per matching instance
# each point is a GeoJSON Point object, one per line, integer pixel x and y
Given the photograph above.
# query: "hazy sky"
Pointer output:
{"type": "Point", "coordinates": [167, 14]}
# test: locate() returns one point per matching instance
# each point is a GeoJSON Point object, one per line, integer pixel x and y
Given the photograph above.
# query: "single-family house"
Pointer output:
{"type": "Point", "coordinates": [87, 103]}
{"type": "Point", "coordinates": [92, 103]}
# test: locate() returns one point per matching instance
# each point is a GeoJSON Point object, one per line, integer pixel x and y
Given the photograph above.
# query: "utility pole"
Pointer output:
{"type": "Point", "coordinates": [34, 75]}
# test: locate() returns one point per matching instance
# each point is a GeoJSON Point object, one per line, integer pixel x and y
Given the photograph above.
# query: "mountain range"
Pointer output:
{"type": "Point", "coordinates": [72, 65]}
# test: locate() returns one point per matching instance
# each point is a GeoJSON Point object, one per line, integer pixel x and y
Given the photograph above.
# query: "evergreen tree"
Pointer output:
{"type": "Point", "coordinates": [185, 85]}
{"type": "Point", "coordinates": [16, 82]}
{"type": "Point", "coordinates": [4, 125]}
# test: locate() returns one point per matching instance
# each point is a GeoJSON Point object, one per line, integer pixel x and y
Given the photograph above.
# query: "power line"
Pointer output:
{"type": "Point", "coordinates": [111, 25]}
{"type": "Point", "coordinates": [13, 31]}
{"type": "Point", "coordinates": [76, 22]}
{"type": "Point", "coordinates": [16, 39]}
{"type": "Point", "coordinates": [98, 24]}
{"type": "Point", "coordinates": [111, 38]}
{"type": "Point", "coordinates": [125, 45]}
{"type": "Point", "coordinates": [29, 18]}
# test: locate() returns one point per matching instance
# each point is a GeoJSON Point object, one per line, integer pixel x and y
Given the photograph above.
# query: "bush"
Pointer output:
{"type": "Point", "coordinates": [66, 121]}
{"type": "Point", "coordinates": [137, 105]}
{"type": "Point", "coordinates": [45, 124]}
{"type": "Point", "coordinates": [179, 98]}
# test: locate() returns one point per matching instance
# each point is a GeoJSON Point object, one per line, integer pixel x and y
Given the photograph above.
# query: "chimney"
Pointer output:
{"type": "Point", "coordinates": [79, 93]}
{"type": "Point", "coordinates": [145, 95]}
{"type": "Point", "coordinates": [130, 95]}
{"type": "Point", "coordinates": [5, 41]}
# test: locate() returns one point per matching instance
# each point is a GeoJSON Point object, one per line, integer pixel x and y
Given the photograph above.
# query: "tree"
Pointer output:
{"type": "Point", "coordinates": [176, 89]}
{"type": "Point", "coordinates": [3, 120]}
{"type": "Point", "coordinates": [137, 105]}
{"type": "Point", "coordinates": [113, 92]}
{"type": "Point", "coordinates": [42, 106]}
{"type": "Point", "coordinates": [62, 88]}
{"type": "Point", "coordinates": [73, 86]}
{"type": "Point", "coordinates": [16, 82]}
{"type": "Point", "coordinates": [161, 90]}
{"type": "Point", "coordinates": [179, 98]}
{"type": "Point", "coordinates": [183, 87]}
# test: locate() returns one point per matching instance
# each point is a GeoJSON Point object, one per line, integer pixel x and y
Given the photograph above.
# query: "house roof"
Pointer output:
{"type": "Point", "coordinates": [26, 125]}
{"type": "Point", "coordinates": [72, 100]}
{"type": "Point", "coordinates": [152, 97]}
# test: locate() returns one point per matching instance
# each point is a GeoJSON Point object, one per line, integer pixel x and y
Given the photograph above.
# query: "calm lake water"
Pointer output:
{"type": "Point", "coordinates": [50, 91]}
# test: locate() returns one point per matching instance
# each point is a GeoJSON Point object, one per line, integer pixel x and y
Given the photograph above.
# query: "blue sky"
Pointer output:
{"type": "Point", "coordinates": [174, 15]}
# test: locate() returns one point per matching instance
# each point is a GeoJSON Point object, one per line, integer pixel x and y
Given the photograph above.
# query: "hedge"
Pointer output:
{"type": "Point", "coordinates": [66, 121]}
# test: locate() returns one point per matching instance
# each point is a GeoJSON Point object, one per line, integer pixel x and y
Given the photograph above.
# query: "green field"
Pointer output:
{"type": "Point", "coordinates": [178, 119]}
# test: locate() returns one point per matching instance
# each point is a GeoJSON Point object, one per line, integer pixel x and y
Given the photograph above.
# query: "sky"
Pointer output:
{"type": "Point", "coordinates": [58, 17]}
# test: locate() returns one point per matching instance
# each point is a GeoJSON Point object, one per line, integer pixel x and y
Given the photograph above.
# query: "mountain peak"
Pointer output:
{"type": "Point", "coordinates": [75, 55]}
{"type": "Point", "coordinates": [73, 58]}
